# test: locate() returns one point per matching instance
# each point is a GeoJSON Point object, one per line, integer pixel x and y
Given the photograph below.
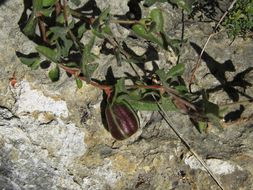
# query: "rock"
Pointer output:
{"type": "Point", "coordinates": [52, 135]}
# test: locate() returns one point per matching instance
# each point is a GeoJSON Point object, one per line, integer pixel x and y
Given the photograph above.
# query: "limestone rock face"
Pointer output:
{"type": "Point", "coordinates": [52, 135]}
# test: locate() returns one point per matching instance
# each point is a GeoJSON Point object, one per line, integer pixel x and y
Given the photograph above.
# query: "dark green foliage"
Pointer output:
{"type": "Point", "coordinates": [240, 19]}
{"type": "Point", "coordinates": [61, 45]}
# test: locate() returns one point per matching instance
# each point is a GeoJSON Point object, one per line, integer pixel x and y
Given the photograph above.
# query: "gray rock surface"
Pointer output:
{"type": "Point", "coordinates": [43, 144]}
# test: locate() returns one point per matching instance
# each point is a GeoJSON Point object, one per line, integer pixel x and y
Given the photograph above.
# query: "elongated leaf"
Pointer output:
{"type": "Point", "coordinates": [181, 88]}
{"type": "Point", "coordinates": [134, 100]}
{"type": "Point", "coordinates": [30, 27]}
{"type": "Point", "coordinates": [157, 16]}
{"type": "Point", "coordinates": [143, 105]}
{"type": "Point", "coordinates": [33, 63]}
{"type": "Point", "coordinates": [79, 83]}
{"type": "Point", "coordinates": [177, 70]}
{"type": "Point", "coordinates": [48, 53]}
{"type": "Point", "coordinates": [167, 104]}
{"type": "Point", "coordinates": [163, 76]}
{"type": "Point", "coordinates": [87, 58]}
{"type": "Point", "coordinates": [47, 12]}
{"type": "Point", "coordinates": [60, 19]}
{"type": "Point", "coordinates": [202, 126]}
{"type": "Point", "coordinates": [119, 87]}
{"type": "Point", "coordinates": [141, 31]}
{"type": "Point", "coordinates": [59, 37]}
{"type": "Point", "coordinates": [54, 74]}
{"type": "Point", "coordinates": [37, 5]}
{"type": "Point", "coordinates": [211, 110]}
{"type": "Point", "coordinates": [81, 30]}
{"type": "Point", "coordinates": [47, 3]}
{"type": "Point", "coordinates": [184, 4]}
{"type": "Point", "coordinates": [104, 16]}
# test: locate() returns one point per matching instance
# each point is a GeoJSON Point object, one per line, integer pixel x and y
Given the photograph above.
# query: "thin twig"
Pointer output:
{"type": "Point", "coordinates": [162, 89]}
{"type": "Point", "coordinates": [42, 27]}
{"type": "Point", "coordinates": [65, 12]}
{"type": "Point", "coordinates": [58, 8]}
{"type": "Point", "coordinates": [184, 141]}
{"type": "Point", "coordinates": [124, 21]}
{"type": "Point", "coordinates": [72, 36]}
{"type": "Point", "coordinates": [207, 41]}
{"type": "Point", "coordinates": [76, 73]}
{"type": "Point", "coordinates": [182, 36]}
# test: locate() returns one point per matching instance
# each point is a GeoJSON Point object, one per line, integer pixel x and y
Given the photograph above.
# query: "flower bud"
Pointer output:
{"type": "Point", "coordinates": [122, 120]}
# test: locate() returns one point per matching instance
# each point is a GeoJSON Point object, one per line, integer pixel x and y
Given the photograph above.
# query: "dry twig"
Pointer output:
{"type": "Point", "coordinates": [207, 41]}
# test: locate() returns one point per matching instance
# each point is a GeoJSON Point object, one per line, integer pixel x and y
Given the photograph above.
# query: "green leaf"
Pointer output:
{"type": "Point", "coordinates": [47, 12]}
{"type": "Point", "coordinates": [167, 104]}
{"type": "Point", "coordinates": [152, 27]}
{"type": "Point", "coordinates": [177, 70]}
{"type": "Point", "coordinates": [59, 36]}
{"type": "Point", "coordinates": [81, 30]}
{"type": "Point", "coordinates": [66, 47]}
{"type": "Point", "coordinates": [163, 76]}
{"type": "Point", "coordinates": [202, 126]}
{"type": "Point", "coordinates": [135, 100]}
{"type": "Point", "coordinates": [211, 110]}
{"type": "Point", "coordinates": [118, 57]}
{"type": "Point", "coordinates": [141, 31]}
{"type": "Point", "coordinates": [47, 3]}
{"type": "Point", "coordinates": [103, 17]}
{"type": "Point", "coordinates": [60, 19]}
{"type": "Point", "coordinates": [184, 4]}
{"type": "Point", "coordinates": [120, 87]}
{"type": "Point", "coordinates": [86, 67]}
{"type": "Point", "coordinates": [48, 53]}
{"type": "Point", "coordinates": [107, 30]}
{"type": "Point", "coordinates": [181, 88]}
{"type": "Point", "coordinates": [34, 62]}
{"type": "Point", "coordinates": [54, 74]}
{"type": "Point", "coordinates": [100, 26]}
{"type": "Point", "coordinates": [37, 5]}
{"type": "Point", "coordinates": [143, 105]}
{"type": "Point", "coordinates": [30, 27]}
{"type": "Point", "coordinates": [79, 82]}
{"type": "Point", "coordinates": [157, 16]}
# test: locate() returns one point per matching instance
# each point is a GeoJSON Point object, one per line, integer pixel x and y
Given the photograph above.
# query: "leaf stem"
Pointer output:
{"type": "Point", "coordinates": [76, 72]}
{"type": "Point", "coordinates": [108, 88]}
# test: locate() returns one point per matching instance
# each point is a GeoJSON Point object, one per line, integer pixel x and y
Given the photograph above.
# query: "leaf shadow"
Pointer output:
{"type": "Point", "coordinates": [109, 79]}
{"type": "Point", "coordinates": [2, 2]}
{"type": "Point", "coordinates": [234, 115]}
{"type": "Point", "coordinates": [24, 20]}
{"type": "Point", "coordinates": [90, 8]}
{"type": "Point", "coordinates": [218, 70]}
{"type": "Point", "coordinates": [134, 13]}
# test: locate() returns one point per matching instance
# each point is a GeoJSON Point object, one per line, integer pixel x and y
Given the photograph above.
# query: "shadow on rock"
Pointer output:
{"type": "Point", "coordinates": [218, 70]}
